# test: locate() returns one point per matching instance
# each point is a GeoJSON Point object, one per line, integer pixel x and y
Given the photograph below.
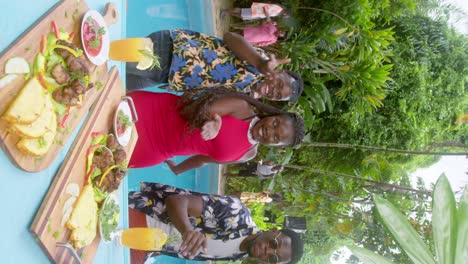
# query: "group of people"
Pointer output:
{"type": "Point", "coordinates": [218, 119]}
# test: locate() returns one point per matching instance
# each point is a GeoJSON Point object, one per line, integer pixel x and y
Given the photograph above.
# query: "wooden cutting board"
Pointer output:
{"type": "Point", "coordinates": [46, 226]}
{"type": "Point", "coordinates": [67, 15]}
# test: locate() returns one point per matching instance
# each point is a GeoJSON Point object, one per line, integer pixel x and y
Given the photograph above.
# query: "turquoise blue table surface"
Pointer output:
{"type": "Point", "coordinates": [21, 193]}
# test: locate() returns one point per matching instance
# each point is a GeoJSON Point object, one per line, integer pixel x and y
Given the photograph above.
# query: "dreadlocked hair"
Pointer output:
{"type": "Point", "coordinates": [196, 104]}
{"type": "Point", "coordinates": [299, 129]}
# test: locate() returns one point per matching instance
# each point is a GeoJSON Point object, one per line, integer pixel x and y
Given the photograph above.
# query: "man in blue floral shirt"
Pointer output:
{"type": "Point", "coordinates": [207, 227]}
{"type": "Point", "coordinates": [191, 60]}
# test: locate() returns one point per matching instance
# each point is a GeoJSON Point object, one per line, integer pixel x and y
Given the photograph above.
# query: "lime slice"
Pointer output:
{"type": "Point", "coordinates": [145, 63]}
{"type": "Point", "coordinates": [7, 79]}
{"type": "Point", "coordinates": [16, 65]}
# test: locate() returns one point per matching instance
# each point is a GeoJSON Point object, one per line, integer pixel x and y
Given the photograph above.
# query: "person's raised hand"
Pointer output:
{"type": "Point", "coordinates": [268, 68]}
{"type": "Point", "coordinates": [192, 241]}
{"type": "Point", "coordinates": [211, 128]}
{"type": "Point", "coordinates": [172, 165]}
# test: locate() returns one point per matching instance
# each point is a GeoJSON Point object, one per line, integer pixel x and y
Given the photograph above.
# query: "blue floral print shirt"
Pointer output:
{"type": "Point", "coordinates": [222, 218]}
{"type": "Point", "coordinates": [201, 60]}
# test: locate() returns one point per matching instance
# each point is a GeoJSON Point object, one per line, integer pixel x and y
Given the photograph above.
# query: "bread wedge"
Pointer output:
{"type": "Point", "coordinates": [83, 220]}
{"type": "Point", "coordinates": [41, 145]}
{"type": "Point", "coordinates": [28, 104]}
{"type": "Point", "coordinates": [39, 126]}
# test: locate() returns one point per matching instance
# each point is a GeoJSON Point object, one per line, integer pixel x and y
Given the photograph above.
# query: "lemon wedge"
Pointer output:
{"type": "Point", "coordinates": [5, 80]}
{"type": "Point", "coordinates": [149, 60]}
{"type": "Point", "coordinates": [17, 65]}
{"type": "Point", "coordinates": [145, 63]}
{"type": "Point", "coordinates": [160, 238]}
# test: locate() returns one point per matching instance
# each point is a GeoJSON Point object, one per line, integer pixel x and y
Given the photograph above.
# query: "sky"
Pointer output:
{"type": "Point", "coordinates": [462, 24]}
{"type": "Point", "coordinates": [454, 167]}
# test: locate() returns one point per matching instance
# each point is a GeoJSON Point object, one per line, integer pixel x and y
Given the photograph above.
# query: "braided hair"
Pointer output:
{"type": "Point", "coordinates": [195, 108]}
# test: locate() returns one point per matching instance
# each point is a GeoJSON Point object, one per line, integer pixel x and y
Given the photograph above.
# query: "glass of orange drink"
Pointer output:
{"type": "Point", "coordinates": [130, 49]}
{"type": "Point", "coordinates": [143, 238]}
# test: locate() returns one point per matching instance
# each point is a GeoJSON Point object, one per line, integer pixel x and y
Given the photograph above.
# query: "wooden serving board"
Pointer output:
{"type": "Point", "coordinates": [46, 226]}
{"type": "Point", "coordinates": [68, 15]}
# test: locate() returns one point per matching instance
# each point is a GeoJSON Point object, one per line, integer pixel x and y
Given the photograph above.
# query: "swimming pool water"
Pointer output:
{"type": "Point", "coordinates": [145, 17]}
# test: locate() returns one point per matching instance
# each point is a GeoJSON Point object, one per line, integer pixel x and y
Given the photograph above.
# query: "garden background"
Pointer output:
{"type": "Point", "coordinates": [384, 74]}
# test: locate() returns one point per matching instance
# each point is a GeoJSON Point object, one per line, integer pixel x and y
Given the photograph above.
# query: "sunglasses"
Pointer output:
{"type": "Point", "coordinates": [274, 244]}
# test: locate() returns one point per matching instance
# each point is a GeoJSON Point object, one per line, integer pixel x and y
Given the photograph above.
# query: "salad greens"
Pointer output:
{"type": "Point", "coordinates": [109, 218]}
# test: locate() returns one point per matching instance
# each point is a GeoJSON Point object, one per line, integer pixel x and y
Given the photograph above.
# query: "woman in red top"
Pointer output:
{"type": "Point", "coordinates": [216, 125]}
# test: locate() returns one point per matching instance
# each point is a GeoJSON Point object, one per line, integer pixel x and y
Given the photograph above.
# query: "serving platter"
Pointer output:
{"type": "Point", "coordinates": [67, 15]}
{"type": "Point", "coordinates": [46, 226]}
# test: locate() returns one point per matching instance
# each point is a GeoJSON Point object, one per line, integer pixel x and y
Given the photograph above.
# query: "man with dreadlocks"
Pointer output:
{"type": "Point", "coordinates": [192, 60]}
{"type": "Point", "coordinates": [217, 125]}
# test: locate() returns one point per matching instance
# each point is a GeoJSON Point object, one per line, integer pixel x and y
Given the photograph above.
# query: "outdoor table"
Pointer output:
{"type": "Point", "coordinates": [22, 192]}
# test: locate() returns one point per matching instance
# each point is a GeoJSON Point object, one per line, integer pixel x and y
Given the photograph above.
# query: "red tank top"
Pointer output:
{"type": "Point", "coordinates": [163, 133]}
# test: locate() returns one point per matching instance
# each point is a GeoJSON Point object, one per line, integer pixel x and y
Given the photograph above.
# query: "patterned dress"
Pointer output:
{"type": "Point", "coordinates": [222, 218]}
{"type": "Point", "coordinates": [201, 60]}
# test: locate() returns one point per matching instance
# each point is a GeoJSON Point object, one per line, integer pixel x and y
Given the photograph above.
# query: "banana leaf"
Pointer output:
{"type": "Point", "coordinates": [403, 232]}
{"type": "Point", "coordinates": [367, 256]}
{"type": "Point", "coordinates": [444, 222]}
{"type": "Point", "coordinates": [461, 255]}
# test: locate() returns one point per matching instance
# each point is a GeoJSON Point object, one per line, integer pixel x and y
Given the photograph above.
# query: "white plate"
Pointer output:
{"type": "Point", "coordinates": [112, 196]}
{"type": "Point", "coordinates": [125, 138]}
{"type": "Point", "coordinates": [102, 56]}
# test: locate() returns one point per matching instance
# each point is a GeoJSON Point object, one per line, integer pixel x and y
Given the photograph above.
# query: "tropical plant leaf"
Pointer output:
{"type": "Point", "coordinates": [306, 107]}
{"type": "Point", "coordinates": [403, 232]}
{"type": "Point", "coordinates": [444, 225]}
{"type": "Point", "coordinates": [317, 103]}
{"type": "Point", "coordinates": [327, 98]}
{"type": "Point", "coordinates": [461, 251]}
{"type": "Point", "coordinates": [367, 256]}
{"type": "Point", "coordinates": [287, 156]}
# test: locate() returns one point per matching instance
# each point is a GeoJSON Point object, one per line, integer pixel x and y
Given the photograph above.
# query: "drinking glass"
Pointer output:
{"type": "Point", "coordinates": [129, 49]}
{"type": "Point", "coordinates": [142, 238]}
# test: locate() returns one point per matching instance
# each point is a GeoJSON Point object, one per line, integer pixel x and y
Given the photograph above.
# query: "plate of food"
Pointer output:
{"type": "Point", "coordinates": [109, 217]}
{"type": "Point", "coordinates": [94, 37]}
{"type": "Point", "coordinates": [123, 121]}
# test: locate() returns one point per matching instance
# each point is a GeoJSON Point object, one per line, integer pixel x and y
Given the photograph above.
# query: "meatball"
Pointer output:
{"type": "Point", "coordinates": [63, 52]}
{"type": "Point", "coordinates": [120, 156]}
{"type": "Point", "coordinates": [60, 74]}
{"type": "Point", "coordinates": [78, 65]}
{"type": "Point", "coordinates": [78, 87]}
{"type": "Point", "coordinates": [112, 142]}
{"type": "Point", "coordinates": [112, 180]}
{"type": "Point", "coordinates": [103, 159]}
{"type": "Point", "coordinates": [65, 96]}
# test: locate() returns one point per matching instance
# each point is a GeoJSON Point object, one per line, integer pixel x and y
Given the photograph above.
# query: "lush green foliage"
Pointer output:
{"type": "Point", "coordinates": [378, 73]}
{"type": "Point", "coordinates": [449, 228]}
